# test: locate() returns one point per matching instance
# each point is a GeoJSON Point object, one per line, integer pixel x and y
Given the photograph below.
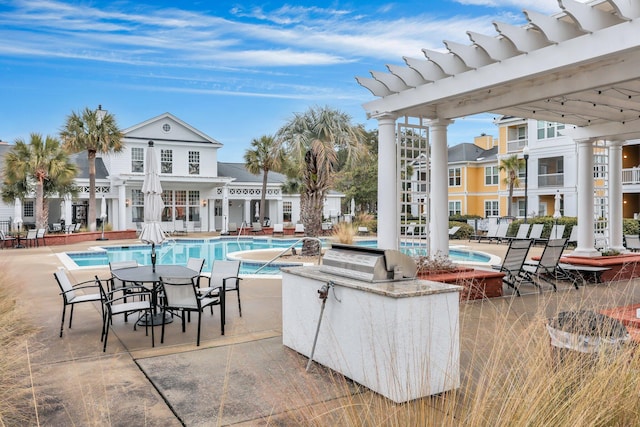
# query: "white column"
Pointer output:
{"type": "Point", "coordinates": [387, 183]}
{"type": "Point", "coordinates": [439, 207]}
{"type": "Point", "coordinates": [122, 208]}
{"type": "Point", "coordinates": [68, 201]}
{"type": "Point", "coordinates": [585, 246]}
{"type": "Point", "coordinates": [247, 212]}
{"type": "Point", "coordinates": [225, 210]}
{"type": "Point", "coordinates": [279, 219]}
{"type": "Point", "coordinates": [615, 195]}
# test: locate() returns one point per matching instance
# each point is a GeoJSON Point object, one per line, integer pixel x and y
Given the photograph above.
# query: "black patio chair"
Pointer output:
{"type": "Point", "coordinates": [70, 295]}
{"type": "Point", "coordinates": [513, 261]}
{"type": "Point", "coordinates": [546, 269]}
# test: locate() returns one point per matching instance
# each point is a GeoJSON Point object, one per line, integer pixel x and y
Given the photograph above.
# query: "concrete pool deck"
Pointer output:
{"type": "Point", "coordinates": [246, 377]}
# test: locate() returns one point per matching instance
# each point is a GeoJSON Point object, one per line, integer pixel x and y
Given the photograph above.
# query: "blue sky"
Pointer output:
{"type": "Point", "coordinates": [235, 71]}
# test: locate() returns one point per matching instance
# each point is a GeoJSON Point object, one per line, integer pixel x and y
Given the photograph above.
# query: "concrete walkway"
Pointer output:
{"type": "Point", "coordinates": [246, 377]}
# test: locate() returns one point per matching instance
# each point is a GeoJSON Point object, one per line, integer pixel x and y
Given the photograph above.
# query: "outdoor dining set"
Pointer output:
{"type": "Point", "coordinates": [154, 294]}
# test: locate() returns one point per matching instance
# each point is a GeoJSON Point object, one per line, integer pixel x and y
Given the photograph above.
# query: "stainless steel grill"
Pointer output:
{"type": "Point", "coordinates": [368, 264]}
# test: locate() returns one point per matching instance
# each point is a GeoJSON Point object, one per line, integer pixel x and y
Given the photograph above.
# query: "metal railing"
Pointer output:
{"type": "Point", "coordinates": [289, 248]}
{"type": "Point", "coordinates": [242, 227]}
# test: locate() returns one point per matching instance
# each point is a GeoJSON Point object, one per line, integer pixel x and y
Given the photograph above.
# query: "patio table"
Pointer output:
{"type": "Point", "coordinates": [150, 279]}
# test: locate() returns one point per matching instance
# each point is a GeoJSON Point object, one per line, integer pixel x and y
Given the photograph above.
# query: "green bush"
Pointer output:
{"type": "Point", "coordinates": [464, 232]}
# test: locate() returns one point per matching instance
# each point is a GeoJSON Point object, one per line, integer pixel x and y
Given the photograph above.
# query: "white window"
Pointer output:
{"type": "Point", "coordinates": [548, 129]}
{"type": "Point", "coordinates": [491, 175]}
{"type": "Point", "coordinates": [455, 177]}
{"type": "Point", "coordinates": [194, 163]}
{"type": "Point", "coordinates": [491, 208]}
{"type": "Point", "coordinates": [137, 206]}
{"type": "Point", "coordinates": [28, 209]}
{"type": "Point", "coordinates": [166, 161]}
{"type": "Point", "coordinates": [287, 208]}
{"type": "Point", "coordinates": [455, 207]}
{"type": "Point", "coordinates": [137, 159]}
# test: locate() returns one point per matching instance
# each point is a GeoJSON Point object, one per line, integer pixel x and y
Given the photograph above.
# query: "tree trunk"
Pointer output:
{"type": "Point", "coordinates": [91, 215]}
{"type": "Point", "coordinates": [39, 207]}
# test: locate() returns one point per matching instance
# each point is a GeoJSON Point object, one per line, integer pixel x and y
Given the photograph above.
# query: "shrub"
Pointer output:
{"type": "Point", "coordinates": [344, 232]}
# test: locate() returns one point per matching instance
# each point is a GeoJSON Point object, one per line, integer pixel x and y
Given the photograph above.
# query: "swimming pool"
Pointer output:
{"type": "Point", "coordinates": [178, 251]}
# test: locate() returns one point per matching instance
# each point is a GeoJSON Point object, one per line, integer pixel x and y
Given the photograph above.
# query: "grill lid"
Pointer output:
{"type": "Point", "coordinates": [368, 264]}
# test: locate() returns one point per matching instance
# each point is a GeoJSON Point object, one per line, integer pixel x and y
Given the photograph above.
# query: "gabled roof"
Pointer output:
{"type": "Point", "coordinates": [197, 136]}
{"type": "Point", "coordinates": [241, 174]}
{"type": "Point", "coordinates": [80, 159]}
{"type": "Point", "coordinates": [468, 152]}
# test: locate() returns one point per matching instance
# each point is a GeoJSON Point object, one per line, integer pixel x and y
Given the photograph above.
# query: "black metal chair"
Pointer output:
{"type": "Point", "coordinates": [115, 303]}
{"type": "Point", "coordinates": [513, 262]}
{"type": "Point", "coordinates": [181, 296]}
{"type": "Point", "coordinates": [71, 297]}
{"type": "Point", "coordinates": [224, 274]}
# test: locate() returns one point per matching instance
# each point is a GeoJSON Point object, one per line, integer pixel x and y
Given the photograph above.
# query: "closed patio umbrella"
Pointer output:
{"type": "Point", "coordinates": [556, 208]}
{"type": "Point", "coordinates": [153, 204]}
{"type": "Point", "coordinates": [103, 216]}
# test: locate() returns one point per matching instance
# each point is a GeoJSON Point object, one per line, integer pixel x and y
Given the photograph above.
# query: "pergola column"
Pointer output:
{"type": "Point", "coordinates": [122, 208]}
{"type": "Point", "coordinates": [387, 183]}
{"type": "Point", "coordinates": [615, 195]}
{"type": "Point", "coordinates": [225, 210]}
{"type": "Point", "coordinates": [439, 207]}
{"type": "Point", "coordinates": [585, 246]}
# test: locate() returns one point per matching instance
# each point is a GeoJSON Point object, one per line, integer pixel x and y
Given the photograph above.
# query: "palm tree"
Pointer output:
{"type": "Point", "coordinates": [311, 140]}
{"type": "Point", "coordinates": [42, 164]}
{"type": "Point", "coordinates": [93, 132]}
{"type": "Point", "coordinates": [265, 156]}
{"type": "Point", "coordinates": [511, 165]}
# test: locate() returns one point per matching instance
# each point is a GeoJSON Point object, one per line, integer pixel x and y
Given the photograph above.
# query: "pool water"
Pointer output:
{"type": "Point", "coordinates": [178, 251]}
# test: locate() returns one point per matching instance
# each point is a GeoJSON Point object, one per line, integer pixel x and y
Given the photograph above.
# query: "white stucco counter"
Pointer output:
{"type": "Point", "coordinates": [400, 338]}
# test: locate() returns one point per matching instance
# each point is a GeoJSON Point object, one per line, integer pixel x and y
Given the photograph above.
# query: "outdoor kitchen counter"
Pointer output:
{"type": "Point", "coordinates": [396, 289]}
{"type": "Point", "coordinates": [399, 338]}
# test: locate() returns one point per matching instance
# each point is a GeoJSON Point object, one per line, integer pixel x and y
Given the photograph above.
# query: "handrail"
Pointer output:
{"type": "Point", "coordinates": [240, 231]}
{"type": "Point", "coordinates": [288, 248]}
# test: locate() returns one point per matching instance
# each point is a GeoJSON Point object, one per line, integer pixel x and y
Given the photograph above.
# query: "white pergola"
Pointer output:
{"type": "Point", "coordinates": [580, 67]}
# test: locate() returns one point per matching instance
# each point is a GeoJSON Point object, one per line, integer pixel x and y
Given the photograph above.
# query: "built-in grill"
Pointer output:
{"type": "Point", "coordinates": [368, 264]}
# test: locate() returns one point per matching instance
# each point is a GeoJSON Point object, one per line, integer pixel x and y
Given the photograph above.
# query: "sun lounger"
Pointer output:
{"type": "Point", "coordinates": [546, 269]}
{"type": "Point", "coordinates": [523, 231]}
{"type": "Point", "coordinates": [491, 233]}
{"type": "Point", "coordinates": [513, 262]}
{"type": "Point", "coordinates": [632, 242]}
{"type": "Point", "coordinates": [453, 231]}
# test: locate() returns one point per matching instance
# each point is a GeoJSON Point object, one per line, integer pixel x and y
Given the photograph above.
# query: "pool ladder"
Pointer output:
{"type": "Point", "coordinates": [289, 248]}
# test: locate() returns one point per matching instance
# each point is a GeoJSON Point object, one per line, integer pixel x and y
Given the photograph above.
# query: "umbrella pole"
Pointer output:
{"type": "Point", "coordinates": [153, 257]}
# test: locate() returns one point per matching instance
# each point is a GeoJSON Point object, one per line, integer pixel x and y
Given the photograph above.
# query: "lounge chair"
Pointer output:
{"type": "Point", "coordinates": [632, 242]}
{"type": "Point", "coordinates": [363, 231]}
{"type": "Point", "coordinates": [573, 237]}
{"type": "Point", "coordinates": [233, 228]}
{"type": "Point", "coordinates": [31, 239]}
{"type": "Point", "coordinates": [536, 233]}
{"type": "Point", "coordinates": [491, 233]}
{"type": "Point", "coordinates": [453, 231]}
{"type": "Point", "coordinates": [501, 233]}
{"type": "Point", "coordinates": [299, 230]}
{"type": "Point", "coordinates": [327, 228]}
{"type": "Point", "coordinates": [256, 228]}
{"type": "Point", "coordinates": [278, 229]}
{"type": "Point", "coordinates": [523, 231]}
{"type": "Point", "coordinates": [557, 231]}
{"type": "Point", "coordinates": [546, 269]}
{"type": "Point", "coordinates": [178, 227]}
{"type": "Point", "coordinates": [513, 262]}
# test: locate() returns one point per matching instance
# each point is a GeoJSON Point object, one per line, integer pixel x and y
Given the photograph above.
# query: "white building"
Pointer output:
{"type": "Point", "coordinates": [197, 188]}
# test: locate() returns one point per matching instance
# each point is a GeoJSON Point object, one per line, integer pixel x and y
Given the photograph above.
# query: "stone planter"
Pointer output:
{"type": "Point", "coordinates": [476, 284]}
{"type": "Point", "coordinates": [622, 267]}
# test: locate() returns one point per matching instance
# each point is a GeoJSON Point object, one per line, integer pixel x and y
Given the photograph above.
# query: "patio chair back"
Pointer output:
{"type": "Point", "coordinates": [65, 285]}
{"type": "Point", "coordinates": [118, 265]}
{"type": "Point", "coordinates": [557, 231]}
{"type": "Point", "coordinates": [180, 293]}
{"type": "Point", "coordinates": [523, 231]}
{"type": "Point", "coordinates": [453, 230]}
{"type": "Point", "coordinates": [233, 227]}
{"type": "Point", "coordinates": [195, 264]}
{"type": "Point", "coordinates": [513, 261]}
{"type": "Point", "coordinates": [632, 242]}
{"type": "Point", "coordinates": [256, 227]}
{"type": "Point", "coordinates": [299, 229]}
{"type": "Point", "coordinates": [536, 231]}
{"type": "Point", "coordinates": [222, 269]}
{"type": "Point", "coordinates": [178, 226]}
{"type": "Point", "coordinates": [573, 237]}
{"type": "Point", "coordinates": [546, 268]}
{"type": "Point", "coordinates": [278, 228]}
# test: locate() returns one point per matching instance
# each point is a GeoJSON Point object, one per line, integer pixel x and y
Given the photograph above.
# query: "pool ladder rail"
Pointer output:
{"type": "Point", "coordinates": [291, 247]}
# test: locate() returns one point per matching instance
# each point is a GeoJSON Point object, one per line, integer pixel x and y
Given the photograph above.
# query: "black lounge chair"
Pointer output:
{"type": "Point", "coordinates": [513, 262]}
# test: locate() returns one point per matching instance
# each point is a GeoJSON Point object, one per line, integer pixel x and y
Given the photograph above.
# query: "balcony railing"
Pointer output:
{"type": "Point", "coordinates": [551, 180]}
{"type": "Point", "coordinates": [631, 176]}
{"type": "Point", "coordinates": [516, 145]}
